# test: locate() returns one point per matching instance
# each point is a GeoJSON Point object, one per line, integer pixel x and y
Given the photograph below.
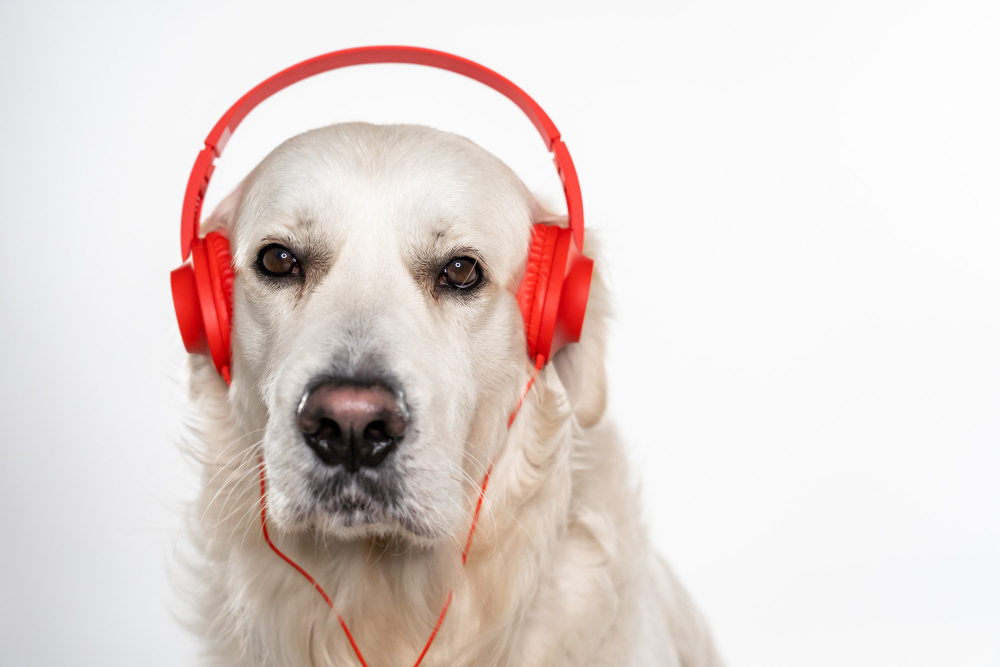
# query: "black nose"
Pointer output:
{"type": "Point", "coordinates": [352, 425]}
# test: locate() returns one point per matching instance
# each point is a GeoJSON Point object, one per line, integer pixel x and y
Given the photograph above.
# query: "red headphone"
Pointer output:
{"type": "Point", "coordinates": [552, 297]}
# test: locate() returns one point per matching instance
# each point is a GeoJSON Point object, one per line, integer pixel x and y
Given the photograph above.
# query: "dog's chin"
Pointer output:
{"type": "Point", "coordinates": [352, 527]}
{"type": "Point", "coordinates": [357, 518]}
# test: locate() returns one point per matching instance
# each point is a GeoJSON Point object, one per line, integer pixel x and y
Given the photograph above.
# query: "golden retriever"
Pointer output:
{"type": "Point", "coordinates": [378, 353]}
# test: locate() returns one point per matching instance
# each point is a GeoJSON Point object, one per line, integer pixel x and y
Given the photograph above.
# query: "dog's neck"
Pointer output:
{"type": "Point", "coordinates": [389, 592]}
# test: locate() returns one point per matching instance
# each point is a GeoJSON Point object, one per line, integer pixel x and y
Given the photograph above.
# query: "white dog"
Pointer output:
{"type": "Point", "coordinates": [378, 351]}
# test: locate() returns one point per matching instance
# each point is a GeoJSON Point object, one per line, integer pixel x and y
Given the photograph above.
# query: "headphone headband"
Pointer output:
{"type": "Point", "coordinates": [204, 165]}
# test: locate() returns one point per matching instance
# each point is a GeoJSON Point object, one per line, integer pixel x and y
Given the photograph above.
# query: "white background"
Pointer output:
{"type": "Point", "coordinates": [798, 208]}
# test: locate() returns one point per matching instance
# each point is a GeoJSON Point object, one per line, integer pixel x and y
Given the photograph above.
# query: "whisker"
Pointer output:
{"type": "Point", "coordinates": [228, 479]}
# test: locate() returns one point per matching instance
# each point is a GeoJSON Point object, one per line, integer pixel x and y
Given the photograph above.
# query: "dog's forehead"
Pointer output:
{"type": "Point", "coordinates": [417, 184]}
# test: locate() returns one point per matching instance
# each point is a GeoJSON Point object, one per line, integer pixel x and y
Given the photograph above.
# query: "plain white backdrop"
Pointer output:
{"type": "Point", "coordinates": [798, 211]}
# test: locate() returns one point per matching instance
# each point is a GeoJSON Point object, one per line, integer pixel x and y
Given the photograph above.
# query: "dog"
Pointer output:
{"type": "Point", "coordinates": [378, 356]}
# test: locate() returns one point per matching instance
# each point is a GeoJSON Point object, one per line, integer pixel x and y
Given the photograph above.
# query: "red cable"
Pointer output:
{"type": "Point", "coordinates": [539, 362]}
{"type": "Point", "coordinates": [437, 626]}
{"type": "Point", "coordinates": [475, 515]}
{"type": "Point", "coordinates": [267, 538]}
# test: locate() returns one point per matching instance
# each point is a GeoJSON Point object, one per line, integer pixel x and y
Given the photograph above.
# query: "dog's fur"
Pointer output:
{"type": "Point", "coordinates": [561, 571]}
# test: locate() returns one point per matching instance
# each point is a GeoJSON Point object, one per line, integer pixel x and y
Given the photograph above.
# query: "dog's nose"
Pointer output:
{"type": "Point", "coordinates": [352, 425]}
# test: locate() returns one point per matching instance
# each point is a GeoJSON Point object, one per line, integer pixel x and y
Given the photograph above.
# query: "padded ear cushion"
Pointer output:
{"type": "Point", "coordinates": [221, 274]}
{"type": "Point", "coordinates": [526, 292]}
{"type": "Point", "coordinates": [531, 294]}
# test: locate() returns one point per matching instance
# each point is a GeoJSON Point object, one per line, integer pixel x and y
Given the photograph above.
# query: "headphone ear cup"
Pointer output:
{"type": "Point", "coordinates": [221, 277]}
{"type": "Point", "coordinates": [184, 288]}
{"type": "Point", "coordinates": [203, 295]}
{"type": "Point", "coordinates": [220, 266]}
{"type": "Point", "coordinates": [526, 292]}
{"type": "Point", "coordinates": [531, 294]}
{"type": "Point", "coordinates": [553, 295]}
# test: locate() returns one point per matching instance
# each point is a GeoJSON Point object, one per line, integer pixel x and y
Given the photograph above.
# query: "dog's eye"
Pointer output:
{"type": "Point", "coordinates": [460, 273]}
{"type": "Point", "coordinates": [277, 261]}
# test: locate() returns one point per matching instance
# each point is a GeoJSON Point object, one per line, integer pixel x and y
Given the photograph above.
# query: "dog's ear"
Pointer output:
{"type": "Point", "coordinates": [581, 365]}
{"type": "Point", "coordinates": [223, 218]}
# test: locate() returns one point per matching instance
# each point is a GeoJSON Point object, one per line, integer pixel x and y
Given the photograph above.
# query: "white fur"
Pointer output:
{"type": "Point", "coordinates": [561, 571]}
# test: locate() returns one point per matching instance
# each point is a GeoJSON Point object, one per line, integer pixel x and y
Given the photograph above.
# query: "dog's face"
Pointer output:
{"type": "Point", "coordinates": [376, 325]}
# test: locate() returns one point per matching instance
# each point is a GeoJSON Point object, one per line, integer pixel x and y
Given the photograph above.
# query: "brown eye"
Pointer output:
{"type": "Point", "coordinates": [277, 261]}
{"type": "Point", "coordinates": [460, 273]}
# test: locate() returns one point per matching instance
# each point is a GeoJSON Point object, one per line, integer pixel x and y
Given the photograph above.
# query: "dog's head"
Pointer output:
{"type": "Point", "coordinates": [377, 339]}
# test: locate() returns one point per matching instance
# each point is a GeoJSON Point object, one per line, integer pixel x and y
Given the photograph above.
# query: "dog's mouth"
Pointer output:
{"type": "Point", "coordinates": [356, 498]}
{"type": "Point", "coordinates": [362, 504]}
